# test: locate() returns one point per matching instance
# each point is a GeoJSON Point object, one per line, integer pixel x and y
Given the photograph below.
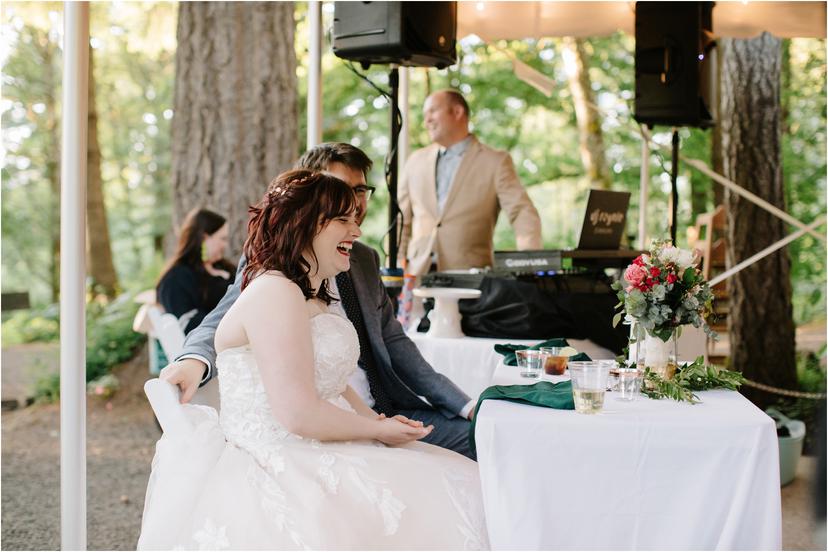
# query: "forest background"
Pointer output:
{"type": "Point", "coordinates": [133, 48]}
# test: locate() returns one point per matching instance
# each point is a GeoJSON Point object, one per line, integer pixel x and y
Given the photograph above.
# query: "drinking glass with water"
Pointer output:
{"type": "Point", "coordinates": [589, 384]}
{"type": "Point", "coordinates": [530, 362]}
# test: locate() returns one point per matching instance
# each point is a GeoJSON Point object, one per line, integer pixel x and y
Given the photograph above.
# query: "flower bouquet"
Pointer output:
{"type": "Point", "coordinates": [660, 293]}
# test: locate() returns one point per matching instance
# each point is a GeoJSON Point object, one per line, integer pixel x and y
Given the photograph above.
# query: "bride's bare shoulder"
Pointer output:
{"type": "Point", "coordinates": [272, 284]}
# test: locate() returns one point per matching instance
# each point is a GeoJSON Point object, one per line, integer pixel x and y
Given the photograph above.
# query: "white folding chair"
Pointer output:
{"type": "Point", "coordinates": [164, 399]}
{"type": "Point", "coordinates": [169, 333]}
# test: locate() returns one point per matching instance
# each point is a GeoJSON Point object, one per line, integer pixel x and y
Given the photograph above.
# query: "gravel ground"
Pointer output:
{"type": "Point", "coordinates": [120, 445]}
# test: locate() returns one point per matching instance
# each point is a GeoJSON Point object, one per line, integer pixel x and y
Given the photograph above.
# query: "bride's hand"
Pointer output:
{"type": "Point", "coordinates": [403, 419]}
{"type": "Point", "coordinates": [394, 432]}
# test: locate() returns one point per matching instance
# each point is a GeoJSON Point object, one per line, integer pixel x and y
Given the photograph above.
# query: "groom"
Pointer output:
{"type": "Point", "coordinates": [393, 375]}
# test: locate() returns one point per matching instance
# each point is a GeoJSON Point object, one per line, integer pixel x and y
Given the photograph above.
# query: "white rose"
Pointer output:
{"type": "Point", "coordinates": [685, 258]}
{"type": "Point", "coordinates": [669, 254]}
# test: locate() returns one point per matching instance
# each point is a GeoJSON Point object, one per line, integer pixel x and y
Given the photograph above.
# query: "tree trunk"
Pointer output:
{"type": "Point", "coordinates": [235, 122]}
{"type": "Point", "coordinates": [101, 270]}
{"type": "Point", "coordinates": [52, 85]}
{"type": "Point", "coordinates": [591, 141]}
{"type": "Point", "coordinates": [762, 344]}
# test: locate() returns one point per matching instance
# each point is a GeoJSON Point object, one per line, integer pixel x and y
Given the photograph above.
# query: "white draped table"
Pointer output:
{"type": "Point", "coordinates": [470, 362]}
{"type": "Point", "coordinates": [640, 475]}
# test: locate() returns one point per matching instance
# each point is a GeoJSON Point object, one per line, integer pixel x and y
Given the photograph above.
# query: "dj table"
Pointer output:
{"type": "Point", "coordinates": [543, 294]}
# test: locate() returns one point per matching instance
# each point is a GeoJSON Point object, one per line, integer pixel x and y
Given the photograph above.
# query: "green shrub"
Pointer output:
{"type": "Point", "coordinates": [28, 326]}
{"type": "Point", "coordinates": [109, 336]}
{"type": "Point", "coordinates": [47, 388]}
{"type": "Point", "coordinates": [109, 342]}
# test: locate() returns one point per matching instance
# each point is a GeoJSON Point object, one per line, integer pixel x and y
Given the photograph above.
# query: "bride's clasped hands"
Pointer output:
{"type": "Point", "coordinates": [399, 430]}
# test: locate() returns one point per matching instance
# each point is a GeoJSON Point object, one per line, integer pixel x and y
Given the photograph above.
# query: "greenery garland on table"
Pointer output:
{"type": "Point", "coordinates": [689, 378]}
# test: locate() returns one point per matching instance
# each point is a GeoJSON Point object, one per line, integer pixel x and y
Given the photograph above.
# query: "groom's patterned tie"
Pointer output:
{"type": "Point", "coordinates": [366, 355]}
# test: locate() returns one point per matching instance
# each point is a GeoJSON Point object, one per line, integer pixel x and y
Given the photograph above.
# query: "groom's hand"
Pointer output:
{"type": "Point", "coordinates": [186, 373]}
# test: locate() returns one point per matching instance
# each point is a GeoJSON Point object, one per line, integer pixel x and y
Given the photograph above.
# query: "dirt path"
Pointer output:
{"type": "Point", "coordinates": [120, 445]}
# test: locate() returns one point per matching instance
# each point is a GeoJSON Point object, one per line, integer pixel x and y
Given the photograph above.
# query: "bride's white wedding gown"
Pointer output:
{"type": "Point", "coordinates": [242, 481]}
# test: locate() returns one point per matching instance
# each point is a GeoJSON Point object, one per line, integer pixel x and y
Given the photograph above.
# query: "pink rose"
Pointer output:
{"type": "Point", "coordinates": [635, 274]}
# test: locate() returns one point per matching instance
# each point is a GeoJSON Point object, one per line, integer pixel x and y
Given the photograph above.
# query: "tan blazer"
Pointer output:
{"type": "Point", "coordinates": [462, 234]}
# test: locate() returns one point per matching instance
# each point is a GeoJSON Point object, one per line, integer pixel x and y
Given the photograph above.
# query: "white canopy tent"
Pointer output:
{"type": "Point", "coordinates": [489, 20]}
{"type": "Point", "coordinates": [517, 20]}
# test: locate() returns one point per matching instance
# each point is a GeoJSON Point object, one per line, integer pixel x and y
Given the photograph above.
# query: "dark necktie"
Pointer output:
{"type": "Point", "coordinates": [366, 355]}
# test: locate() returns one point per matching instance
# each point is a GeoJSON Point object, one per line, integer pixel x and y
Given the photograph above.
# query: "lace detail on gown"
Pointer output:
{"type": "Point", "coordinates": [273, 489]}
{"type": "Point", "coordinates": [246, 417]}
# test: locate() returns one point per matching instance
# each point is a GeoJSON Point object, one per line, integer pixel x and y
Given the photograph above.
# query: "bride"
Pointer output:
{"type": "Point", "coordinates": [296, 460]}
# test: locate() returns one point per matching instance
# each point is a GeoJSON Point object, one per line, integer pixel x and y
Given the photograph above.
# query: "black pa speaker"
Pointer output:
{"type": "Point", "coordinates": [674, 63]}
{"type": "Point", "coordinates": [421, 34]}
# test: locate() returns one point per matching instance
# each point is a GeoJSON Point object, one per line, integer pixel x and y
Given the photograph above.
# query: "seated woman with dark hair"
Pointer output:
{"type": "Point", "coordinates": [297, 460]}
{"type": "Point", "coordinates": [197, 276]}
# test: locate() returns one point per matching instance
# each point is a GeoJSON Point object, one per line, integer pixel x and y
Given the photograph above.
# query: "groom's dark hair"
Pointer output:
{"type": "Point", "coordinates": [318, 158]}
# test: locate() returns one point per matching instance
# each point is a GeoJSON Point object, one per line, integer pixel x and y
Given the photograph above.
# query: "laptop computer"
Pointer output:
{"type": "Point", "coordinates": [604, 220]}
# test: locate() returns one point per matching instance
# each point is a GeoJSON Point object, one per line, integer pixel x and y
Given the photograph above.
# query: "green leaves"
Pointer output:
{"type": "Point", "coordinates": [696, 376]}
{"type": "Point", "coordinates": [689, 277]}
{"type": "Point", "coordinates": [657, 387]}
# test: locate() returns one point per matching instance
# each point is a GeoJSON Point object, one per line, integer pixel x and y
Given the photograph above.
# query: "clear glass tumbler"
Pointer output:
{"type": "Point", "coordinates": [589, 384]}
{"type": "Point", "coordinates": [530, 362]}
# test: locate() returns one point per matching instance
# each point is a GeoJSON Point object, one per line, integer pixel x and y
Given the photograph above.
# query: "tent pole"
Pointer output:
{"type": "Point", "coordinates": [73, 276]}
{"type": "Point", "coordinates": [643, 190]}
{"type": "Point", "coordinates": [314, 134]}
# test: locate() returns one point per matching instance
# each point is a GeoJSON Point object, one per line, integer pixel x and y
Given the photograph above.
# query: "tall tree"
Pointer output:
{"type": "Point", "coordinates": [101, 269]}
{"type": "Point", "coordinates": [235, 122]}
{"type": "Point", "coordinates": [762, 342]}
{"type": "Point", "coordinates": [590, 138]}
{"type": "Point", "coordinates": [31, 173]}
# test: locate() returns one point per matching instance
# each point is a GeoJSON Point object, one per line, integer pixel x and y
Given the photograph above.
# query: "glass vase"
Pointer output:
{"type": "Point", "coordinates": [655, 354]}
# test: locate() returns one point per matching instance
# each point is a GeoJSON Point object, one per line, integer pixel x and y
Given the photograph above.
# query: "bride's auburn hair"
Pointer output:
{"type": "Point", "coordinates": [282, 225]}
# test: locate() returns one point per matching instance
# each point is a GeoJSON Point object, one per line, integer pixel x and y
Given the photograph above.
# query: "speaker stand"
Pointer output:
{"type": "Point", "coordinates": [391, 169]}
{"type": "Point", "coordinates": [674, 188]}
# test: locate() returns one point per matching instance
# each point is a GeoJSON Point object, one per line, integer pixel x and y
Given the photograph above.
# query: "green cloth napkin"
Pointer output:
{"type": "Point", "coordinates": [543, 393]}
{"type": "Point", "coordinates": [508, 350]}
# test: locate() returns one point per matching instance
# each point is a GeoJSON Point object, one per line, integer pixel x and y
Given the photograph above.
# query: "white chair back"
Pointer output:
{"type": "Point", "coordinates": [164, 399]}
{"type": "Point", "coordinates": [169, 333]}
{"type": "Point", "coordinates": [166, 329]}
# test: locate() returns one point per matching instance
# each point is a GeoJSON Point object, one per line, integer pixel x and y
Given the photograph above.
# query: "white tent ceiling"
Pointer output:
{"type": "Point", "coordinates": [516, 20]}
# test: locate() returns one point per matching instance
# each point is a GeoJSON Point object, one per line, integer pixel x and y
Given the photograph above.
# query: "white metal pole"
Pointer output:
{"type": "Point", "coordinates": [314, 136]}
{"type": "Point", "coordinates": [72, 277]}
{"type": "Point", "coordinates": [404, 144]}
{"type": "Point", "coordinates": [643, 192]}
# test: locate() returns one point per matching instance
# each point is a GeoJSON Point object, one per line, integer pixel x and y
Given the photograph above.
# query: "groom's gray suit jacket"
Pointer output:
{"type": "Point", "coordinates": [404, 373]}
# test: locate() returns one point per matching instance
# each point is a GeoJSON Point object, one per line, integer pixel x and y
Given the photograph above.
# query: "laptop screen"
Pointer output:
{"type": "Point", "coordinates": [604, 220]}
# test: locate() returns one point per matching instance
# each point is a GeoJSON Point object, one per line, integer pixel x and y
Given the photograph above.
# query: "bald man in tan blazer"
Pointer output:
{"type": "Point", "coordinates": [450, 210]}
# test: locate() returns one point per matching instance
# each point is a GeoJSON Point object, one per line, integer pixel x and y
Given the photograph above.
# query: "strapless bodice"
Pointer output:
{"type": "Point", "coordinates": [246, 417]}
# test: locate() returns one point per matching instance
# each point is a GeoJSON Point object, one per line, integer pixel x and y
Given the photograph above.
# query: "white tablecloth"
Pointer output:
{"type": "Point", "coordinates": [470, 362]}
{"type": "Point", "coordinates": [640, 475]}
